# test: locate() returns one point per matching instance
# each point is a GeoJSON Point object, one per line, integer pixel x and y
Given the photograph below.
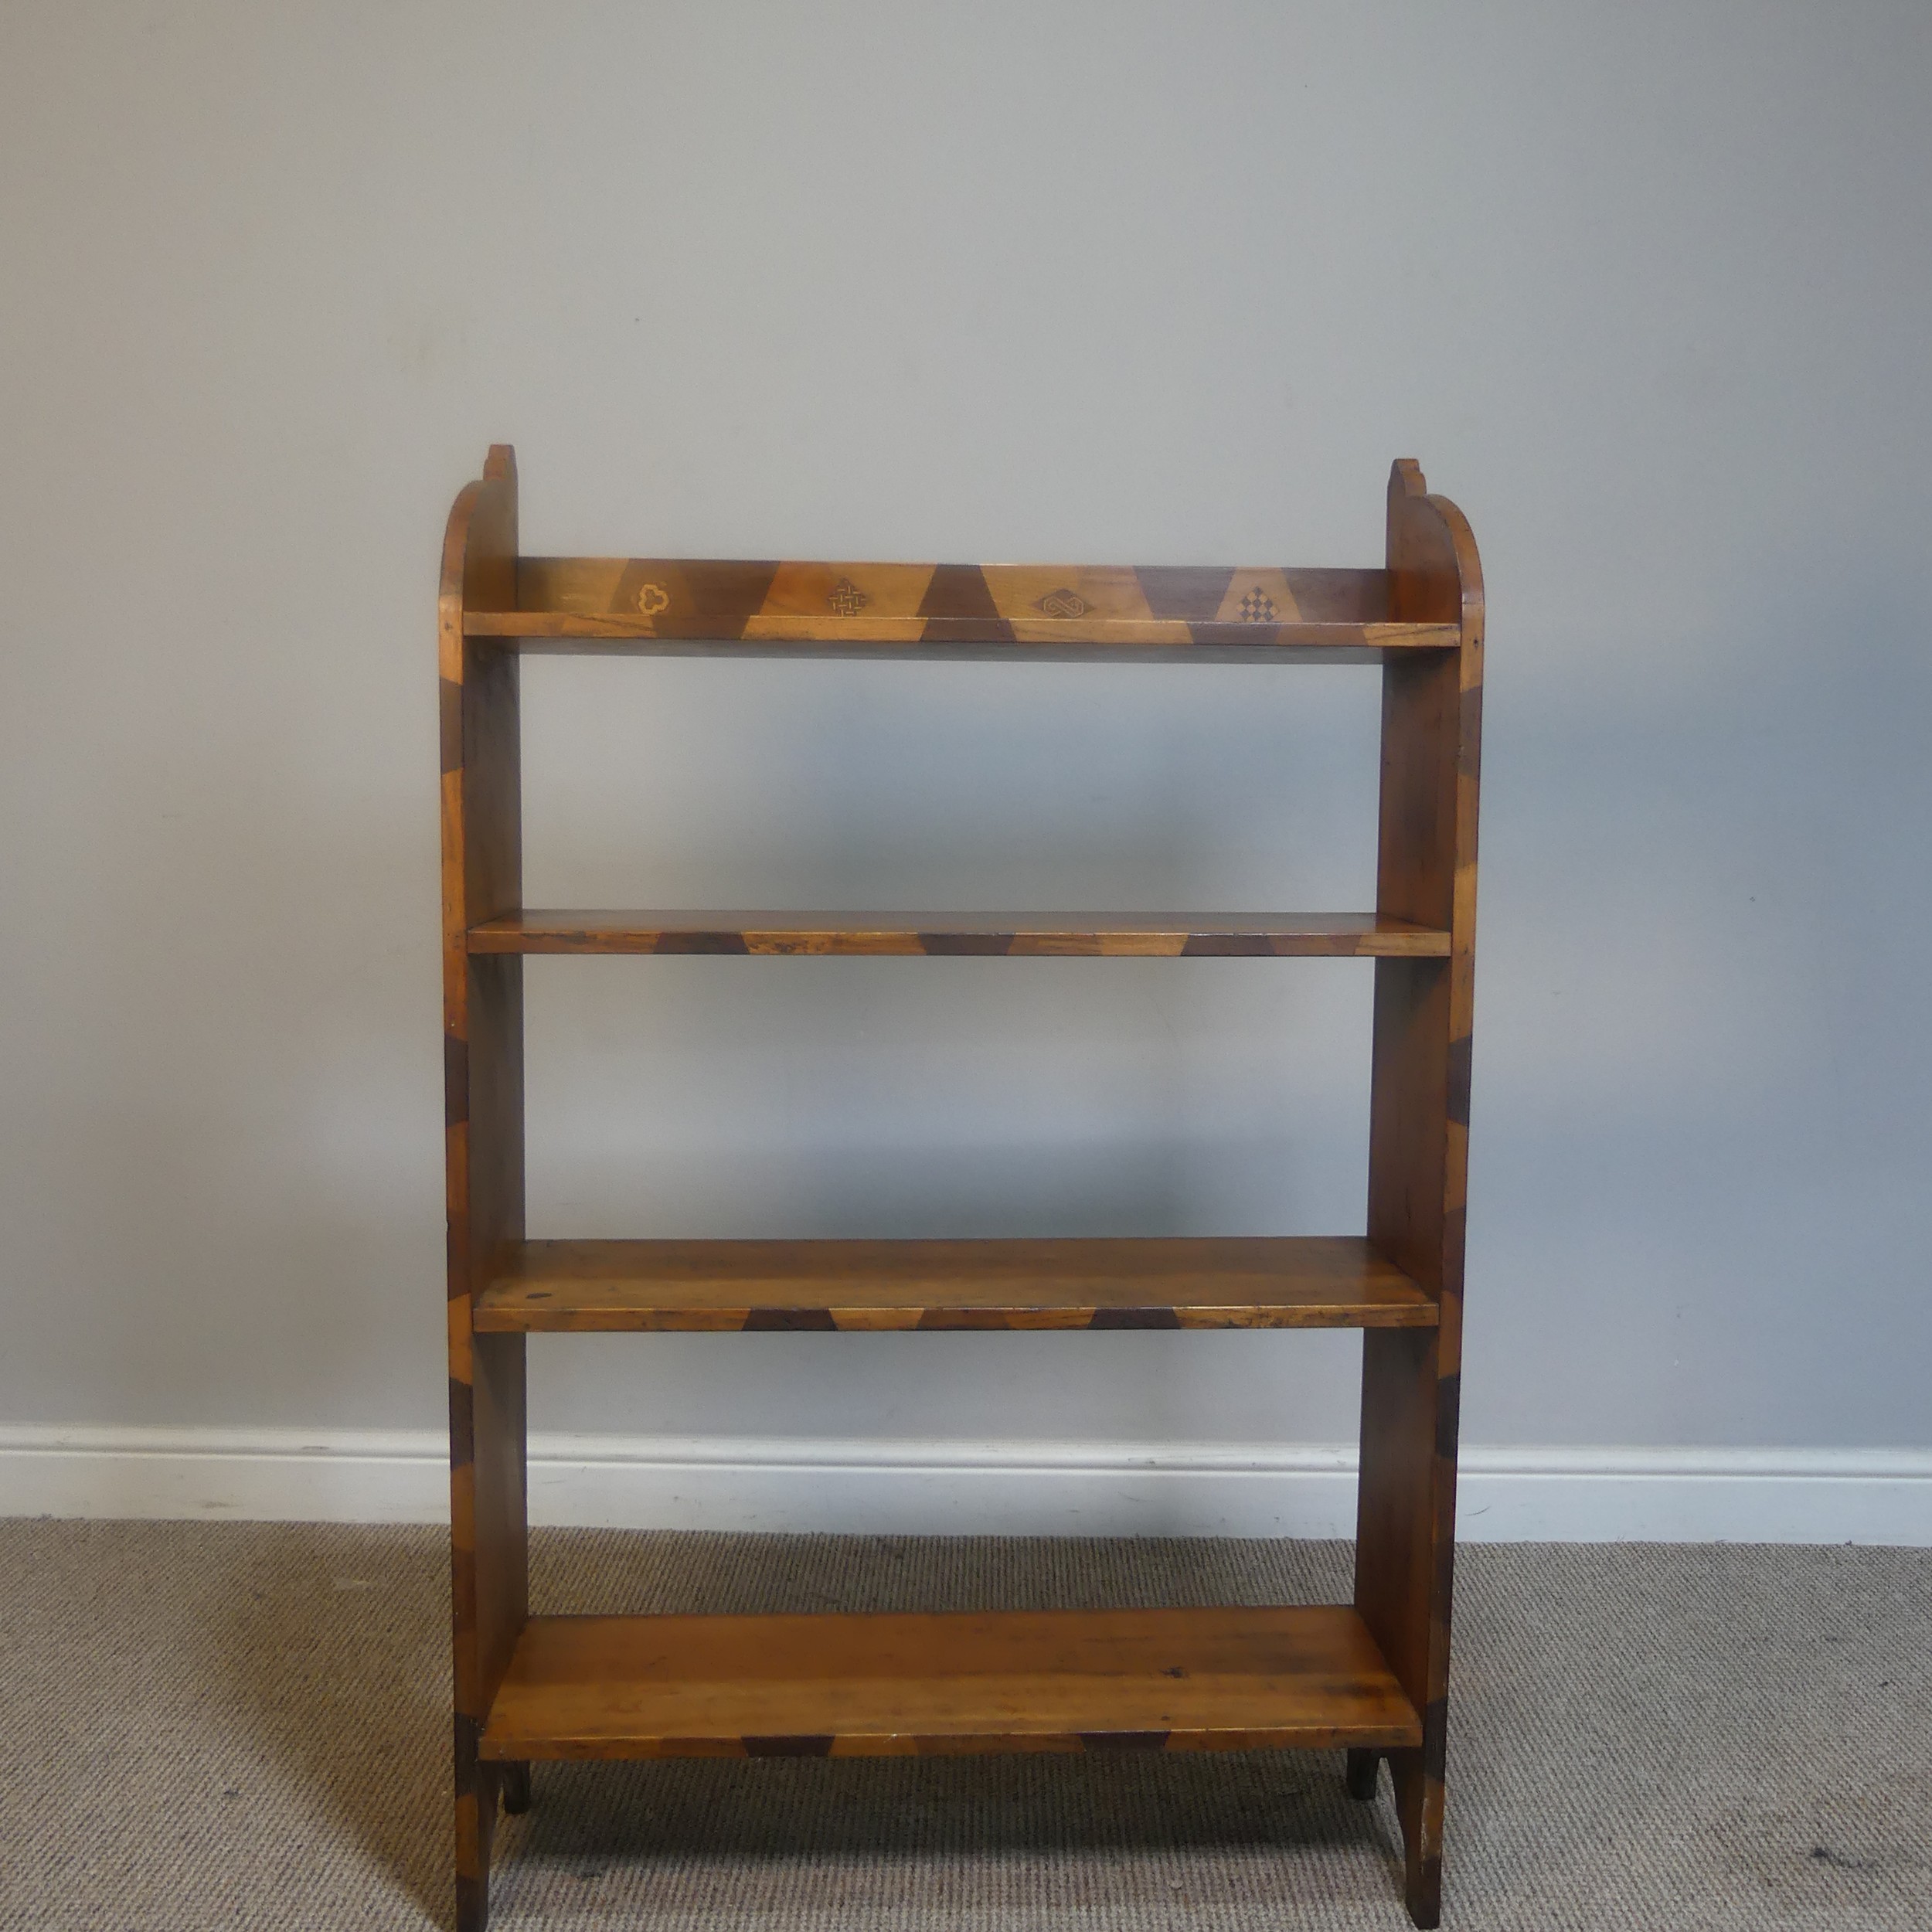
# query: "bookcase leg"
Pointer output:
{"type": "Point", "coordinates": [1364, 1769]}
{"type": "Point", "coordinates": [1419, 1805]}
{"type": "Point", "coordinates": [1404, 1567]}
{"type": "Point", "coordinates": [489, 1593]}
{"type": "Point", "coordinates": [475, 1827]}
{"type": "Point", "coordinates": [481, 1786]}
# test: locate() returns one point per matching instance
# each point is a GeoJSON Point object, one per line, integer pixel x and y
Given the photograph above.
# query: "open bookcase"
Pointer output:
{"type": "Point", "coordinates": [1369, 1677]}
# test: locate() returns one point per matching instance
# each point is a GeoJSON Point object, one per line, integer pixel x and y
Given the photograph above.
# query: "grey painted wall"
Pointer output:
{"type": "Point", "coordinates": [1645, 289]}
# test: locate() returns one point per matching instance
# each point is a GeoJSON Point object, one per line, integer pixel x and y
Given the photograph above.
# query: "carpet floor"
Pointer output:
{"type": "Point", "coordinates": [247, 1726]}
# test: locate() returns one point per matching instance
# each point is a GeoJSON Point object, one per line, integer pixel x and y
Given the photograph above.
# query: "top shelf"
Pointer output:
{"type": "Point", "coordinates": [1037, 611]}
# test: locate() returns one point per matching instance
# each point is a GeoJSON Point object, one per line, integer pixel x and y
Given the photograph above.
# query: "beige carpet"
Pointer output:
{"type": "Point", "coordinates": [243, 1725]}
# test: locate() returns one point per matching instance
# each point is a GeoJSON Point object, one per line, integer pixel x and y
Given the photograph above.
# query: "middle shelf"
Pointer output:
{"type": "Point", "coordinates": [1129, 935]}
{"type": "Point", "coordinates": [1231, 1282]}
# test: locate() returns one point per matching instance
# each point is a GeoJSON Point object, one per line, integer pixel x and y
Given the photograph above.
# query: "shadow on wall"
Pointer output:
{"type": "Point", "coordinates": [1698, 1087]}
{"type": "Point", "coordinates": [1701, 1057]}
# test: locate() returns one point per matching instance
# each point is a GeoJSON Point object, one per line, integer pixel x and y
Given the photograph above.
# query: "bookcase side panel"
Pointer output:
{"type": "Point", "coordinates": [1419, 1143]}
{"type": "Point", "coordinates": [483, 1072]}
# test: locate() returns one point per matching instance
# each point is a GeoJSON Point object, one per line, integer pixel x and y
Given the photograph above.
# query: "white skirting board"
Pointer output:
{"type": "Point", "coordinates": [1013, 1489]}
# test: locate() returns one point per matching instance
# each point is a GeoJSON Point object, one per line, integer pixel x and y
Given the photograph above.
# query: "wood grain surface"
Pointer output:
{"type": "Point", "coordinates": [884, 610]}
{"type": "Point", "coordinates": [947, 934]}
{"type": "Point", "coordinates": [1226, 1282]}
{"type": "Point", "coordinates": [899, 1684]}
{"type": "Point", "coordinates": [1373, 1677]}
{"type": "Point", "coordinates": [1418, 1146]}
{"type": "Point", "coordinates": [483, 1119]}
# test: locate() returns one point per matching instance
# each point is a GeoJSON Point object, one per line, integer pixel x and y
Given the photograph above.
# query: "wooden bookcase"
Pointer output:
{"type": "Point", "coordinates": [1371, 1676]}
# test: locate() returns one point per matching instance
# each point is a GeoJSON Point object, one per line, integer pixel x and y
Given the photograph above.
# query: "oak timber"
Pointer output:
{"type": "Point", "coordinates": [1372, 1677]}
{"type": "Point", "coordinates": [1418, 1146]}
{"type": "Point", "coordinates": [898, 1684]}
{"type": "Point", "coordinates": [1075, 935]}
{"type": "Point", "coordinates": [1226, 1282]}
{"type": "Point", "coordinates": [922, 610]}
{"type": "Point", "coordinates": [483, 1143]}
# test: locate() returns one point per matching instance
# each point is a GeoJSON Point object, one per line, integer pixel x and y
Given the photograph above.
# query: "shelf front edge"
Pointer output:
{"type": "Point", "coordinates": [967, 935]}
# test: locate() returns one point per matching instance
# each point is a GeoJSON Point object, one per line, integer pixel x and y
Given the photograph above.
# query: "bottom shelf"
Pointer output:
{"type": "Point", "coordinates": [872, 1685]}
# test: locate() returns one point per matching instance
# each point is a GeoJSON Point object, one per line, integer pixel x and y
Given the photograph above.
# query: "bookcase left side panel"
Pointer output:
{"type": "Point", "coordinates": [483, 1075]}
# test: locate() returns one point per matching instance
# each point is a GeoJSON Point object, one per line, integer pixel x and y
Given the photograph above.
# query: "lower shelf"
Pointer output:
{"type": "Point", "coordinates": [898, 1684]}
{"type": "Point", "coordinates": [1229, 1282]}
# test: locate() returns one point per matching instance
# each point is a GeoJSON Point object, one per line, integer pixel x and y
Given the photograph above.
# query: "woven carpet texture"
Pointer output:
{"type": "Point", "coordinates": [247, 1726]}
